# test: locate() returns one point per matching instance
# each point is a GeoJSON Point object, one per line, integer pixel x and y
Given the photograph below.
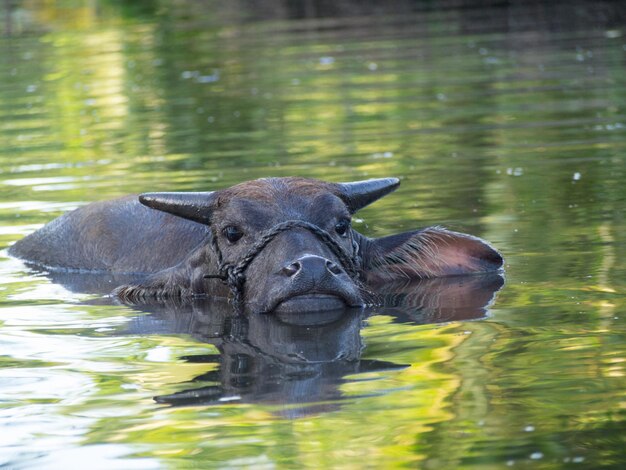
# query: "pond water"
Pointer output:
{"type": "Point", "coordinates": [507, 122]}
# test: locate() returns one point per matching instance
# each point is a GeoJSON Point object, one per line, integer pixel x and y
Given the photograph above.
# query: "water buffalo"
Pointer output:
{"type": "Point", "coordinates": [274, 244]}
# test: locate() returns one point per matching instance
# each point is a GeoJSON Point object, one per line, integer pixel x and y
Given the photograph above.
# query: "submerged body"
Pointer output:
{"type": "Point", "coordinates": [212, 243]}
{"type": "Point", "coordinates": [120, 235]}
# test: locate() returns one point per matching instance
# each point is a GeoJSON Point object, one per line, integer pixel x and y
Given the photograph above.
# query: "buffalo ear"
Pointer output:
{"type": "Point", "coordinates": [193, 206]}
{"type": "Point", "coordinates": [359, 194]}
{"type": "Point", "coordinates": [432, 252]}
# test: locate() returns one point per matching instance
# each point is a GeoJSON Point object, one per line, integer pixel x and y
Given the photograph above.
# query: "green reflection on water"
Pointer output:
{"type": "Point", "coordinates": [514, 133]}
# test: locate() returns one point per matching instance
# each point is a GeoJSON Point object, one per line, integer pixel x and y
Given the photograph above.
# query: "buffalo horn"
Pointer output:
{"type": "Point", "coordinates": [192, 206]}
{"type": "Point", "coordinates": [359, 194]}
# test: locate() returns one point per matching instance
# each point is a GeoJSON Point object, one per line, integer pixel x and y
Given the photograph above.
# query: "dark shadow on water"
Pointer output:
{"type": "Point", "coordinates": [300, 361]}
{"type": "Point", "coordinates": [296, 361]}
{"type": "Point", "coordinates": [274, 360]}
{"type": "Point", "coordinates": [440, 300]}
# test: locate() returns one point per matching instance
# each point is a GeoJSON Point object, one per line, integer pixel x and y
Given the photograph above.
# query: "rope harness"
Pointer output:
{"type": "Point", "coordinates": [233, 274]}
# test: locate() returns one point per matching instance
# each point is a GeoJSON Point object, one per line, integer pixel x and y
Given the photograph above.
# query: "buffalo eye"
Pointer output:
{"type": "Point", "coordinates": [342, 227]}
{"type": "Point", "coordinates": [232, 233]}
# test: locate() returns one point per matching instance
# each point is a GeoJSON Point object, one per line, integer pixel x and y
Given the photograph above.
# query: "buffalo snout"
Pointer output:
{"type": "Point", "coordinates": [305, 283]}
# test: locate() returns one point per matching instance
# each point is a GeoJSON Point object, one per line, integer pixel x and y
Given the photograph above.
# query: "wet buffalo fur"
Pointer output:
{"type": "Point", "coordinates": [168, 240]}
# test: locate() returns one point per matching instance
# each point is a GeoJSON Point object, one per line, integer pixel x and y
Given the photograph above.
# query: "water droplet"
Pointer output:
{"type": "Point", "coordinates": [529, 428]}
{"type": "Point", "coordinates": [327, 60]}
{"type": "Point", "coordinates": [187, 74]}
{"type": "Point", "coordinates": [536, 455]}
{"type": "Point", "coordinates": [576, 176]}
{"type": "Point", "coordinates": [578, 459]}
{"type": "Point", "coordinates": [212, 78]}
{"type": "Point", "coordinates": [382, 155]}
{"type": "Point", "coordinates": [372, 66]}
{"type": "Point", "coordinates": [31, 88]}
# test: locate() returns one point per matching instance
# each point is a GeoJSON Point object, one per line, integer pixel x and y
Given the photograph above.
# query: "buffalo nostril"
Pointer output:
{"type": "Point", "coordinates": [332, 267]}
{"type": "Point", "coordinates": [292, 269]}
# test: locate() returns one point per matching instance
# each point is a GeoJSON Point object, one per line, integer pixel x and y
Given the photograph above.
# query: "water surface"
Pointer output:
{"type": "Point", "coordinates": [504, 122]}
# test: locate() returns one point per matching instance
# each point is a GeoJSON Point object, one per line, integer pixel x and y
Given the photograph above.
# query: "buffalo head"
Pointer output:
{"type": "Point", "coordinates": [287, 244]}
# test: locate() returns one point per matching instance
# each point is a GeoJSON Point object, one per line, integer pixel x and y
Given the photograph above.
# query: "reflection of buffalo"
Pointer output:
{"type": "Point", "coordinates": [441, 300]}
{"type": "Point", "coordinates": [264, 358]}
{"type": "Point", "coordinates": [300, 360]}
{"type": "Point", "coordinates": [277, 244]}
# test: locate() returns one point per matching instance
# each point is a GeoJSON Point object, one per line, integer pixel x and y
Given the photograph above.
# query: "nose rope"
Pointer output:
{"type": "Point", "coordinates": [233, 274]}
